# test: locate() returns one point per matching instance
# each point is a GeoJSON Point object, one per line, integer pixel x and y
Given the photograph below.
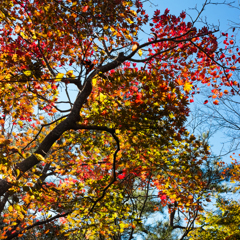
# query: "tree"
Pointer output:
{"type": "Point", "coordinates": [124, 131]}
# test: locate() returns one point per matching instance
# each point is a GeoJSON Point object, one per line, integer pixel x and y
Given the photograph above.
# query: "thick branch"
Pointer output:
{"type": "Point", "coordinates": [66, 124]}
{"type": "Point", "coordinates": [172, 213]}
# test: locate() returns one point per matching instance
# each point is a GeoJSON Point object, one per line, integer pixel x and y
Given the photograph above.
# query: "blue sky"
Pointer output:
{"type": "Point", "coordinates": [220, 15]}
{"type": "Point", "coordinates": [214, 13]}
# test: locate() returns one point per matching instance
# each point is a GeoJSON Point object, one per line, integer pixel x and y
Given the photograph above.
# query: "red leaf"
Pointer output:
{"type": "Point", "coordinates": [122, 176]}
{"type": "Point", "coordinates": [85, 8]}
{"type": "Point", "coordinates": [205, 102]}
{"type": "Point", "coordinates": [163, 197]}
{"type": "Point", "coordinates": [183, 15]}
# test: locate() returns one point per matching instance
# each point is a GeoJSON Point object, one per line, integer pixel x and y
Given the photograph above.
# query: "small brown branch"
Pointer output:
{"type": "Point", "coordinates": [66, 90]}
{"type": "Point", "coordinates": [146, 198]}
{"type": "Point", "coordinates": [220, 65]}
{"type": "Point", "coordinates": [200, 12]}
{"type": "Point", "coordinates": [154, 55]}
{"type": "Point", "coordinates": [3, 202]}
{"type": "Point", "coordinates": [16, 233]}
{"type": "Point", "coordinates": [114, 173]}
{"type": "Point", "coordinates": [46, 61]}
{"type": "Point", "coordinates": [46, 100]}
{"type": "Point", "coordinates": [173, 39]}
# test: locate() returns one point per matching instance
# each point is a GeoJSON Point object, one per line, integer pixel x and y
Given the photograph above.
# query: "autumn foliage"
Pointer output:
{"type": "Point", "coordinates": [75, 159]}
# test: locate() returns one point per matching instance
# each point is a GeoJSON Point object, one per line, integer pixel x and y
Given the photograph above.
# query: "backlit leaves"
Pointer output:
{"type": "Point", "coordinates": [82, 161]}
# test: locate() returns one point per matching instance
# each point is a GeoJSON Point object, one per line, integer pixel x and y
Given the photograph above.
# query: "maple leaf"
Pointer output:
{"type": "Point", "coordinates": [187, 86]}
{"type": "Point", "coordinates": [63, 154]}
{"type": "Point", "coordinates": [180, 81]}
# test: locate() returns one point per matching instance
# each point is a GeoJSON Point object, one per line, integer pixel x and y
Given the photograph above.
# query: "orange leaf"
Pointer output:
{"type": "Point", "coordinates": [17, 29]}
{"type": "Point", "coordinates": [134, 47]}
{"type": "Point", "coordinates": [180, 81]}
{"type": "Point", "coordinates": [190, 197]}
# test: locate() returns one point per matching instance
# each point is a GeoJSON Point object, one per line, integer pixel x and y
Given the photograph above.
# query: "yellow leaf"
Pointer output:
{"type": "Point", "coordinates": [129, 20]}
{"type": "Point", "coordinates": [70, 73]}
{"type": "Point", "coordinates": [28, 73]}
{"type": "Point", "coordinates": [46, 7]}
{"type": "Point", "coordinates": [20, 123]}
{"type": "Point", "coordinates": [23, 35]}
{"type": "Point", "coordinates": [39, 157]}
{"type": "Point", "coordinates": [94, 82]}
{"type": "Point", "coordinates": [17, 207]}
{"type": "Point", "coordinates": [59, 76]}
{"type": "Point", "coordinates": [127, 103]}
{"type": "Point", "coordinates": [15, 56]}
{"type": "Point", "coordinates": [34, 37]}
{"type": "Point", "coordinates": [18, 172]}
{"type": "Point", "coordinates": [133, 13]}
{"type": "Point", "coordinates": [129, 37]}
{"type": "Point", "coordinates": [10, 208]}
{"type": "Point", "coordinates": [102, 97]}
{"type": "Point", "coordinates": [187, 86]}
{"type": "Point", "coordinates": [140, 52]}
{"type": "Point", "coordinates": [2, 15]}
